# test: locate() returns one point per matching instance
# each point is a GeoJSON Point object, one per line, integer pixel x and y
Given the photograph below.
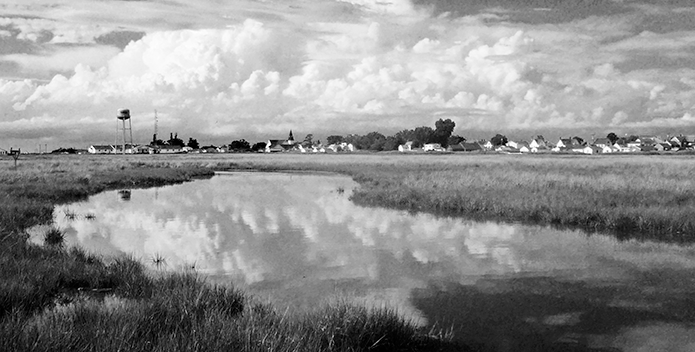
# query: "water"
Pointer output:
{"type": "Point", "coordinates": [296, 240]}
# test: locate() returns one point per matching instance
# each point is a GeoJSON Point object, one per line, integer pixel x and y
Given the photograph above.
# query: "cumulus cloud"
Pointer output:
{"type": "Point", "coordinates": [369, 71]}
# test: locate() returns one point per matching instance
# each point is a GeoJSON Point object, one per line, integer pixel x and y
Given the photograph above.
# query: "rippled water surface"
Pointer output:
{"type": "Point", "coordinates": [297, 239]}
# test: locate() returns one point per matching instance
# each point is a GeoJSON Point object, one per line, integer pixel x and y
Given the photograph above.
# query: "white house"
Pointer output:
{"type": "Point", "coordinates": [407, 147]}
{"type": "Point", "coordinates": [602, 142]}
{"type": "Point", "coordinates": [170, 149]}
{"type": "Point", "coordinates": [432, 147]}
{"type": "Point", "coordinates": [101, 149]}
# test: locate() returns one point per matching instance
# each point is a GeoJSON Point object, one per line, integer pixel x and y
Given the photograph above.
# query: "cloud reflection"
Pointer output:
{"type": "Point", "coordinates": [296, 237]}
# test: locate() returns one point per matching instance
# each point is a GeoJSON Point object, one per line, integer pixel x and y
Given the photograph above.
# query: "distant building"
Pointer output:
{"type": "Point", "coordinates": [432, 147]}
{"type": "Point", "coordinates": [280, 145]}
{"type": "Point", "coordinates": [101, 149]}
{"type": "Point", "coordinates": [407, 147]}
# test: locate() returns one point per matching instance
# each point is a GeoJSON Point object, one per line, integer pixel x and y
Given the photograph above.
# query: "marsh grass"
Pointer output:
{"type": "Point", "coordinates": [54, 237]}
{"type": "Point", "coordinates": [184, 313]}
{"type": "Point", "coordinates": [54, 298]}
{"type": "Point", "coordinates": [646, 197]}
{"type": "Point", "coordinates": [158, 260]}
{"type": "Point", "coordinates": [67, 299]}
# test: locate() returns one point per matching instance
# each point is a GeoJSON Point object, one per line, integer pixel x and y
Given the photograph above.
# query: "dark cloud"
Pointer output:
{"type": "Point", "coordinates": [12, 45]}
{"type": "Point", "coordinates": [527, 11]}
{"type": "Point", "coordinates": [8, 68]}
{"type": "Point", "coordinates": [119, 39]}
{"type": "Point", "coordinates": [638, 60]}
{"type": "Point", "coordinates": [667, 21]}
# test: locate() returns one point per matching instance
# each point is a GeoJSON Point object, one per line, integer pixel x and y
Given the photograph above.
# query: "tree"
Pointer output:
{"type": "Point", "coordinates": [258, 146]}
{"type": "Point", "coordinates": [455, 139]}
{"type": "Point", "coordinates": [422, 135]}
{"type": "Point", "coordinates": [442, 131]}
{"type": "Point", "coordinates": [240, 145]}
{"type": "Point", "coordinates": [334, 139]}
{"type": "Point", "coordinates": [499, 139]}
{"type": "Point", "coordinates": [391, 143]}
{"type": "Point", "coordinates": [155, 141]}
{"type": "Point", "coordinates": [193, 143]}
{"type": "Point", "coordinates": [372, 141]}
{"type": "Point", "coordinates": [308, 140]}
{"type": "Point", "coordinates": [612, 137]}
{"type": "Point", "coordinates": [175, 140]}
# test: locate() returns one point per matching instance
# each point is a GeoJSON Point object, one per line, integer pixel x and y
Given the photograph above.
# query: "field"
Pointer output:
{"type": "Point", "coordinates": [58, 299]}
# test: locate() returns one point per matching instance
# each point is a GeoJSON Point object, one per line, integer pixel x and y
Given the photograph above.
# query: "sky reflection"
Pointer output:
{"type": "Point", "coordinates": [296, 240]}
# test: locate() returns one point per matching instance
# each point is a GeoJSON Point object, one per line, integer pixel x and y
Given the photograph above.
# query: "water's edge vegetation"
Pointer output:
{"type": "Point", "coordinates": [58, 299]}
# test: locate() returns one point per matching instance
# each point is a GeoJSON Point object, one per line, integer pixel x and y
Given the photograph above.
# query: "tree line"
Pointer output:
{"type": "Point", "coordinates": [442, 133]}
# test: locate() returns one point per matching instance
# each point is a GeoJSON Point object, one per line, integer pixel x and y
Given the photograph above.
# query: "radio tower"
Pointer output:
{"type": "Point", "coordinates": [154, 137]}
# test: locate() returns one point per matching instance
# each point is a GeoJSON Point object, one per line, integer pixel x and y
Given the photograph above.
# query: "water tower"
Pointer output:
{"type": "Point", "coordinates": [126, 131]}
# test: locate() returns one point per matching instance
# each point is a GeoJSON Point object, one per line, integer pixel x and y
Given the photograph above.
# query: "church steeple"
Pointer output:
{"type": "Point", "coordinates": [290, 138]}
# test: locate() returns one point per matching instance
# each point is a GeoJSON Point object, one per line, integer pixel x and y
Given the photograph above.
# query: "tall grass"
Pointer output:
{"type": "Point", "coordinates": [65, 299]}
{"type": "Point", "coordinates": [61, 299]}
{"type": "Point", "coordinates": [630, 196]}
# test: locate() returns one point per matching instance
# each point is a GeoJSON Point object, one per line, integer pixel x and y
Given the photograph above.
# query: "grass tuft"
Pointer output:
{"type": "Point", "coordinates": [54, 237]}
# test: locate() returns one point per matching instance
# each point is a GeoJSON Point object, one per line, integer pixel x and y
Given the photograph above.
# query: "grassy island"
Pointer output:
{"type": "Point", "coordinates": [64, 299]}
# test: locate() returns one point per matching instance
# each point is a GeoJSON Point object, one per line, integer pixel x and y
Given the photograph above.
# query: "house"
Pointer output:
{"type": "Point", "coordinates": [466, 147]}
{"type": "Point", "coordinates": [280, 145]}
{"type": "Point", "coordinates": [455, 148]}
{"type": "Point", "coordinates": [539, 149]}
{"type": "Point", "coordinates": [488, 145]}
{"type": "Point", "coordinates": [274, 146]}
{"type": "Point", "coordinates": [564, 143]}
{"type": "Point", "coordinates": [407, 147]}
{"type": "Point", "coordinates": [607, 149]}
{"type": "Point", "coordinates": [332, 148]}
{"type": "Point", "coordinates": [433, 147]}
{"type": "Point", "coordinates": [535, 144]}
{"type": "Point", "coordinates": [524, 147]}
{"type": "Point", "coordinates": [635, 144]}
{"type": "Point", "coordinates": [101, 149]}
{"type": "Point", "coordinates": [513, 144]}
{"type": "Point", "coordinates": [675, 142]}
{"type": "Point", "coordinates": [602, 142]}
{"type": "Point", "coordinates": [652, 148]}
{"type": "Point", "coordinates": [169, 149]}
{"type": "Point", "coordinates": [627, 148]}
{"type": "Point", "coordinates": [582, 149]}
{"type": "Point", "coordinates": [504, 149]}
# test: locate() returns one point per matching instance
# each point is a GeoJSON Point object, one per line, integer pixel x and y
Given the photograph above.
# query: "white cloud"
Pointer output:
{"type": "Point", "coordinates": [687, 120]}
{"type": "Point", "coordinates": [368, 71]}
{"type": "Point", "coordinates": [63, 59]}
{"type": "Point", "coordinates": [54, 31]}
{"type": "Point", "coordinates": [391, 7]}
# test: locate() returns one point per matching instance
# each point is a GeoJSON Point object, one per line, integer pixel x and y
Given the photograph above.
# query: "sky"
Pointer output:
{"type": "Point", "coordinates": [219, 71]}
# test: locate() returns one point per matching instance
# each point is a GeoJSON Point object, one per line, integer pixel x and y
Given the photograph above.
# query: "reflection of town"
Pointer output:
{"type": "Point", "coordinates": [298, 236]}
